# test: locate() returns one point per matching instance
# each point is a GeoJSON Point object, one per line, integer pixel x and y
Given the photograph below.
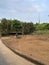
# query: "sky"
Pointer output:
{"type": "Point", "coordinates": [25, 10]}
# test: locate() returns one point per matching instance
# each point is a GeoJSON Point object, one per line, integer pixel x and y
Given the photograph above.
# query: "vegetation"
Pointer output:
{"type": "Point", "coordinates": [28, 28]}
{"type": "Point", "coordinates": [43, 26]}
{"type": "Point", "coordinates": [10, 26]}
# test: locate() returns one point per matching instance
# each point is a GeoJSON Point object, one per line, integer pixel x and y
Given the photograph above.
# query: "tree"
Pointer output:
{"type": "Point", "coordinates": [0, 26]}
{"type": "Point", "coordinates": [17, 25]}
{"type": "Point", "coordinates": [9, 26]}
{"type": "Point", "coordinates": [28, 28]}
{"type": "Point", "coordinates": [4, 27]}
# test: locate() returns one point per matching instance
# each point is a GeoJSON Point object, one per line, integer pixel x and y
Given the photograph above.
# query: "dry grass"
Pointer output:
{"type": "Point", "coordinates": [34, 45]}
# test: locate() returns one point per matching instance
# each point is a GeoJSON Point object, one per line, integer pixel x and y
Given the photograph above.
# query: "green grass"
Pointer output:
{"type": "Point", "coordinates": [41, 32]}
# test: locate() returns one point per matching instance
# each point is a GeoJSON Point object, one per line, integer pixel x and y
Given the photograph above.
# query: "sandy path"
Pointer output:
{"type": "Point", "coordinates": [7, 57]}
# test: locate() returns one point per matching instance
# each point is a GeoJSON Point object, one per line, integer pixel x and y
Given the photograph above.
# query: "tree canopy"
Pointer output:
{"type": "Point", "coordinates": [7, 26]}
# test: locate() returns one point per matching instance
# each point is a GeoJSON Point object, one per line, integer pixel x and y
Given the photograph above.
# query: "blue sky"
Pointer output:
{"type": "Point", "coordinates": [25, 10]}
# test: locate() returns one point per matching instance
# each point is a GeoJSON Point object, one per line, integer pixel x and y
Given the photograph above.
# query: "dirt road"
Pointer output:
{"type": "Point", "coordinates": [36, 46]}
{"type": "Point", "coordinates": [7, 57]}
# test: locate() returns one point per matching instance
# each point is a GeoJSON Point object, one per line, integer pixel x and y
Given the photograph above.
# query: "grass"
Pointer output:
{"type": "Point", "coordinates": [41, 32]}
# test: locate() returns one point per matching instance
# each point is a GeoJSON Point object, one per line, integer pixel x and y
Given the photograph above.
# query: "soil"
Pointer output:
{"type": "Point", "coordinates": [36, 46]}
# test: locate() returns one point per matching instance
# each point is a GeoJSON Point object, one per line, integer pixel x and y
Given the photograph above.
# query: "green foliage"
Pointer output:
{"type": "Point", "coordinates": [17, 25]}
{"type": "Point", "coordinates": [28, 28]}
{"type": "Point", "coordinates": [4, 24]}
{"type": "Point", "coordinates": [7, 26]}
{"type": "Point", "coordinates": [44, 26]}
{"type": "Point", "coordinates": [0, 28]}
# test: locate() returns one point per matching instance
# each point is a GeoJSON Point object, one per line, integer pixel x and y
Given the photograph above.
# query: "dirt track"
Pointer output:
{"type": "Point", "coordinates": [7, 57]}
{"type": "Point", "coordinates": [34, 45]}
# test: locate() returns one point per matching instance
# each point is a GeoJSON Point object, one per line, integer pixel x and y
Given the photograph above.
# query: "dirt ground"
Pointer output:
{"type": "Point", "coordinates": [36, 46]}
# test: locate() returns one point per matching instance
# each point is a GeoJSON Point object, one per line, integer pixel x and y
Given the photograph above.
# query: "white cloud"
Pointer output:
{"type": "Point", "coordinates": [26, 7]}
{"type": "Point", "coordinates": [37, 8]}
{"type": "Point", "coordinates": [40, 8]}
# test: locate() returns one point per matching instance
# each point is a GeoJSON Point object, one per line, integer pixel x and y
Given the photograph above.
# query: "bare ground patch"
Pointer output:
{"type": "Point", "coordinates": [33, 45]}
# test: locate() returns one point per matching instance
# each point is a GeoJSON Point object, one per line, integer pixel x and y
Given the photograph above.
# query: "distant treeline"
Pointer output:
{"type": "Point", "coordinates": [15, 26]}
